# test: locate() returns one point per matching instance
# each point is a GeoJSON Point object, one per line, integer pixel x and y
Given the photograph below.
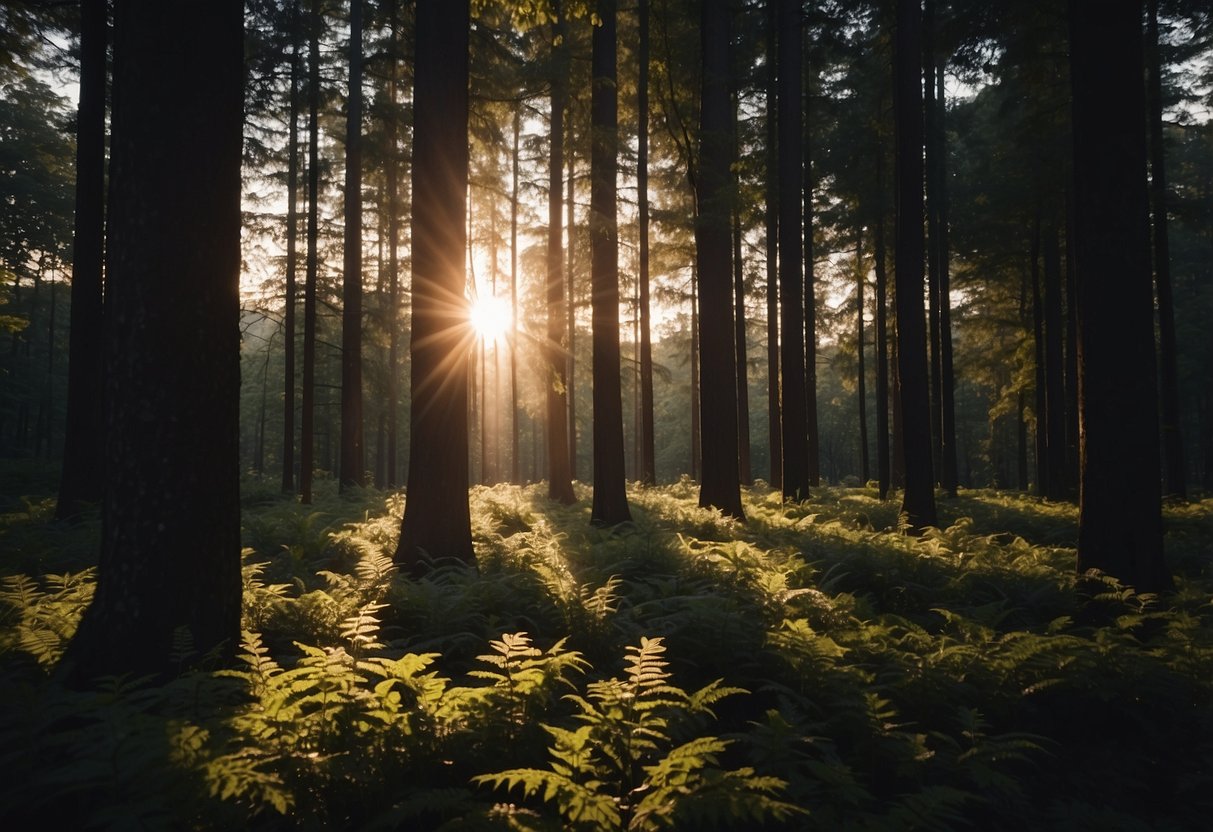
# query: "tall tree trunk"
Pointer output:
{"type": "Point", "coordinates": [721, 487]}
{"type": "Point", "coordinates": [947, 368]}
{"type": "Point", "coordinates": [918, 502]}
{"type": "Point", "coordinates": [774, 431]}
{"type": "Point", "coordinates": [1119, 519]}
{"type": "Point", "coordinates": [83, 450]}
{"type": "Point", "coordinates": [352, 457]}
{"type": "Point", "coordinates": [648, 454]}
{"type": "Point", "coordinates": [861, 374]}
{"type": "Point", "coordinates": [393, 248]}
{"type": "Point", "coordinates": [791, 285]}
{"type": "Point", "coordinates": [514, 292]}
{"type": "Point", "coordinates": [437, 522]}
{"type": "Point", "coordinates": [745, 469]}
{"type": "Point", "coordinates": [1175, 468]}
{"type": "Point", "coordinates": [292, 262]}
{"type": "Point", "coordinates": [1071, 357]}
{"type": "Point", "coordinates": [170, 555]}
{"type": "Point", "coordinates": [1040, 401]}
{"type": "Point", "coordinates": [696, 426]}
{"type": "Point", "coordinates": [931, 185]}
{"type": "Point", "coordinates": [308, 413]}
{"type": "Point", "coordinates": [610, 498]}
{"type": "Point", "coordinates": [572, 363]}
{"type": "Point", "coordinates": [1055, 405]}
{"type": "Point", "coordinates": [560, 484]}
{"type": "Point", "coordinates": [883, 473]}
{"type": "Point", "coordinates": [812, 438]}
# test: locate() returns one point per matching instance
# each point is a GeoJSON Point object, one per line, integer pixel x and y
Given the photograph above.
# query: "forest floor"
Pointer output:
{"type": "Point", "coordinates": [811, 668]}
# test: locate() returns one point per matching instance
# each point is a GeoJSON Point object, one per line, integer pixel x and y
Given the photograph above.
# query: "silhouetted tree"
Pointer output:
{"type": "Point", "coordinates": [610, 497]}
{"type": "Point", "coordinates": [436, 520]}
{"type": "Point", "coordinates": [1120, 517]}
{"type": "Point", "coordinates": [169, 575]}
{"type": "Point", "coordinates": [352, 460]}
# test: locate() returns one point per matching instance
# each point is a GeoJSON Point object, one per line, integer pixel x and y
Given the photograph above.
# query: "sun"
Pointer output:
{"type": "Point", "coordinates": [490, 318]}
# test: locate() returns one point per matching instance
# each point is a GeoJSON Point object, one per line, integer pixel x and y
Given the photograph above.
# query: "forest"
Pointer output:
{"type": "Point", "coordinates": [573, 414]}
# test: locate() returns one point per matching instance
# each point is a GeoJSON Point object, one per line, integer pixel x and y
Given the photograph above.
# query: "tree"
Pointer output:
{"type": "Point", "coordinates": [436, 520]}
{"type": "Point", "coordinates": [83, 457]}
{"type": "Point", "coordinates": [771, 216]}
{"type": "Point", "coordinates": [292, 261]}
{"type": "Point", "coordinates": [307, 415]}
{"type": "Point", "coordinates": [169, 571]}
{"type": "Point", "coordinates": [560, 484]}
{"type": "Point", "coordinates": [794, 436]}
{"type": "Point", "coordinates": [718, 401]}
{"type": "Point", "coordinates": [610, 505]}
{"type": "Point", "coordinates": [1120, 518]}
{"type": "Point", "coordinates": [352, 460]}
{"type": "Point", "coordinates": [918, 502]}
{"type": "Point", "coordinates": [648, 462]}
{"type": "Point", "coordinates": [1172, 437]}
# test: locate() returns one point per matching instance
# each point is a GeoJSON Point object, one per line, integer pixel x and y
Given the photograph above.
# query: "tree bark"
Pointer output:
{"type": "Point", "coordinates": [437, 521]}
{"type": "Point", "coordinates": [918, 502]}
{"type": "Point", "coordinates": [774, 431]}
{"type": "Point", "coordinates": [169, 575]}
{"type": "Point", "coordinates": [883, 474]}
{"type": "Point", "coordinates": [648, 454]}
{"type": "Point", "coordinates": [83, 451]}
{"type": "Point", "coordinates": [352, 456]}
{"type": "Point", "coordinates": [560, 484]}
{"type": "Point", "coordinates": [1055, 404]}
{"type": "Point", "coordinates": [794, 425]}
{"type": "Point", "coordinates": [947, 441]}
{"type": "Point", "coordinates": [861, 379]}
{"type": "Point", "coordinates": [1119, 521]}
{"type": "Point", "coordinates": [393, 248]}
{"type": "Point", "coordinates": [812, 437]}
{"type": "Point", "coordinates": [1176, 482]}
{"type": "Point", "coordinates": [745, 469]}
{"type": "Point", "coordinates": [307, 415]}
{"type": "Point", "coordinates": [610, 505]}
{"type": "Point", "coordinates": [292, 263]}
{"type": "Point", "coordinates": [721, 487]}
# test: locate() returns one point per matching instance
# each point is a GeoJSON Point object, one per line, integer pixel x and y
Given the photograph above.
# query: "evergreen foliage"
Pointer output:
{"type": "Point", "coordinates": [813, 669]}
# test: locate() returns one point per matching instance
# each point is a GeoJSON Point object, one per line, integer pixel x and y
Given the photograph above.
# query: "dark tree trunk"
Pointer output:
{"type": "Point", "coordinates": [307, 416]}
{"type": "Point", "coordinates": [560, 485]}
{"type": "Point", "coordinates": [648, 454]}
{"type": "Point", "coordinates": [745, 469]}
{"type": "Point", "coordinates": [393, 257]}
{"type": "Point", "coordinates": [931, 185]}
{"type": "Point", "coordinates": [861, 380]}
{"type": "Point", "coordinates": [610, 497]}
{"type": "Point", "coordinates": [721, 487]}
{"type": "Point", "coordinates": [1021, 444]}
{"type": "Point", "coordinates": [292, 263]}
{"type": "Point", "coordinates": [918, 502]}
{"type": "Point", "coordinates": [1119, 521]}
{"type": "Point", "coordinates": [696, 447]}
{"type": "Point", "coordinates": [774, 433]}
{"type": "Point", "coordinates": [1040, 402]}
{"type": "Point", "coordinates": [947, 370]}
{"type": "Point", "coordinates": [572, 364]}
{"type": "Point", "coordinates": [883, 476]}
{"type": "Point", "coordinates": [1176, 482]}
{"type": "Point", "coordinates": [1071, 357]}
{"type": "Point", "coordinates": [83, 450]}
{"type": "Point", "coordinates": [514, 473]}
{"type": "Point", "coordinates": [812, 439]}
{"type": "Point", "coordinates": [169, 572]}
{"type": "Point", "coordinates": [436, 521]}
{"type": "Point", "coordinates": [791, 285]}
{"type": "Point", "coordinates": [1055, 404]}
{"type": "Point", "coordinates": [352, 457]}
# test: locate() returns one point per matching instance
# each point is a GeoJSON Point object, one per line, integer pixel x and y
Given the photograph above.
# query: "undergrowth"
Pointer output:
{"type": "Point", "coordinates": [812, 668]}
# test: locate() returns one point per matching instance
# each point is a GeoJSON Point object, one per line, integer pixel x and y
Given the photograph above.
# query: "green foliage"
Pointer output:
{"type": "Point", "coordinates": [620, 769]}
{"type": "Point", "coordinates": [596, 678]}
